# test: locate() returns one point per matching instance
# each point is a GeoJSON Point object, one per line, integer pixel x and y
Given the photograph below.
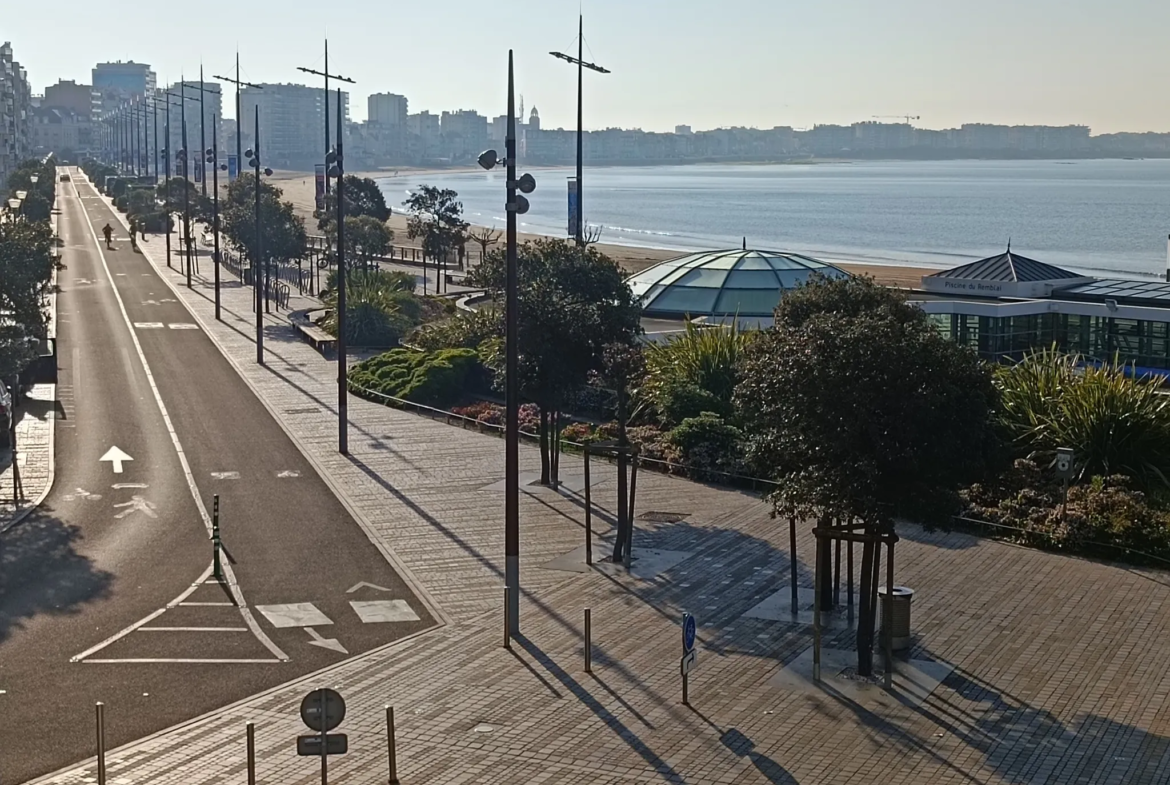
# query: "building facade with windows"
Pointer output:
{"type": "Point", "coordinates": [1008, 305]}
{"type": "Point", "coordinates": [292, 123]}
{"type": "Point", "coordinates": [15, 113]}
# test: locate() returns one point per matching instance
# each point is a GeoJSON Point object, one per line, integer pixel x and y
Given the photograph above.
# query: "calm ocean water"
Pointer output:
{"type": "Point", "coordinates": [1107, 217]}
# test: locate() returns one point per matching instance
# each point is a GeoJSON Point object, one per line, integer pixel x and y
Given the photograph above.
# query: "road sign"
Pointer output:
{"type": "Point", "coordinates": [318, 702]}
{"type": "Point", "coordinates": [687, 663]}
{"type": "Point", "coordinates": [689, 627]}
{"type": "Point", "coordinates": [335, 744]}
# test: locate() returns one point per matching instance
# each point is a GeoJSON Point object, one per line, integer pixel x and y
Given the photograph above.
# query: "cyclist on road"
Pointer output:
{"type": "Point", "coordinates": [108, 231]}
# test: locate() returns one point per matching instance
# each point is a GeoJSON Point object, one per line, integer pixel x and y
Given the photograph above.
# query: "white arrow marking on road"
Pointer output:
{"type": "Point", "coordinates": [357, 586]}
{"type": "Point", "coordinates": [136, 504]}
{"type": "Point", "coordinates": [116, 457]}
{"type": "Point", "coordinates": [325, 643]}
{"type": "Point", "coordinates": [288, 473]}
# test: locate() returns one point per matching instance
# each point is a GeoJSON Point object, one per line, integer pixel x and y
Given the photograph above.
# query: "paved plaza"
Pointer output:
{"type": "Point", "coordinates": [1055, 669]}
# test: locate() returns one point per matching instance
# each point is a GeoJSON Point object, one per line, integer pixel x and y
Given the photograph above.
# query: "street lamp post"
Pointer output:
{"type": "Point", "coordinates": [239, 116]}
{"type": "Point", "coordinates": [254, 155]}
{"type": "Point", "coordinates": [579, 61]}
{"type": "Point", "coordinates": [516, 204]}
{"type": "Point", "coordinates": [334, 161]}
{"type": "Point", "coordinates": [212, 157]}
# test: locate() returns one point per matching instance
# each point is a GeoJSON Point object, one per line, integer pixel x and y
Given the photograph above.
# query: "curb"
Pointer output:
{"type": "Point", "coordinates": [408, 577]}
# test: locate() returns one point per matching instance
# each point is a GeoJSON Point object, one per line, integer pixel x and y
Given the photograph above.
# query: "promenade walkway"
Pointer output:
{"type": "Point", "coordinates": [1053, 669]}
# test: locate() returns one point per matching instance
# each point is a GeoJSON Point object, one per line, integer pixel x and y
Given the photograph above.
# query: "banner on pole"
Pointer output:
{"type": "Point", "coordinates": [572, 207]}
{"type": "Point", "coordinates": [233, 167]}
{"type": "Point", "coordinates": [319, 171]}
{"type": "Point", "coordinates": [198, 170]}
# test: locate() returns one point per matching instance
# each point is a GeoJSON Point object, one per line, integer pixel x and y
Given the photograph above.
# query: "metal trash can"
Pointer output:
{"type": "Point", "coordinates": [899, 621]}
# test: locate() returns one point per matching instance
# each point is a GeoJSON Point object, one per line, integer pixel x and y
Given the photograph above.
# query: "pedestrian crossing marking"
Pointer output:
{"type": "Point", "coordinates": [379, 611]}
{"type": "Point", "coordinates": [294, 614]}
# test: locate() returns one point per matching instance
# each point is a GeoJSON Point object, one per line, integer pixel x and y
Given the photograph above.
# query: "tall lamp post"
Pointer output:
{"type": "Point", "coordinates": [202, 135]}
{"type": "Point", "coordinates": [239, 117]}
{"type": "Point", "coordinates": [579, 61]}
{"type": "Point", "coordinates": [211, 156]}
{"type": "Point", "coordinates": [182, 158]}
{"type": "Point", "coordinates": [165, 157]}
{"type": "Point", "coordinates": [516, 204]}
{"type": "Point", "coordinates": [254, 161]}
{"type": "Point", "coordinates": [335, 161]}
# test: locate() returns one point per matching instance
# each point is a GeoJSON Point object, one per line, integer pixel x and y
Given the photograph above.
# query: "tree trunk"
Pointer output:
{"type": "Point", "coordinates": [865, 612]}
{"type": "Point", "coordinates": [544, 463]}
{"type": "Point", "coordinates": [825, 566]}
{"type": "Point", "coordinates": [555, 447]}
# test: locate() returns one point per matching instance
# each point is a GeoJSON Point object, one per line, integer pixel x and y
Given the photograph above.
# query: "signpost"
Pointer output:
{"type": "Point", "coordinates": [690, 656]}
{"type": "Point", "coordinates": [323, 710]}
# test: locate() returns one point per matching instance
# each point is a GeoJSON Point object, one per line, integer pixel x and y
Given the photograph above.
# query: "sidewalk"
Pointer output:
{"type": "Point", "coordinates": [34, 455]}
{"type": "Point", "coordinates": [1052, 669]}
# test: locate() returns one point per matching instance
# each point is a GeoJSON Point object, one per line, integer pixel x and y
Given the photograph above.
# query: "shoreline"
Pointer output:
{"type": "Point", "coordinates": [298, 188]}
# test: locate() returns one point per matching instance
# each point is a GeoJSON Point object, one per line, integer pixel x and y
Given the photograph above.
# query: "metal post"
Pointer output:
{"type": "Point", "coordinates": [512, 380]}
{"type": "Point", "coordinates": [792, 560]}
{"type": "Point", "coordinates": [686, 695]}
{"type": "Point", "coordinates": [251, 753]}
{"type": "Point", "coordinates": [186, 192]}
{"type": "Point", "coordinates": [101, 742]}
{"type": "Point", "coordinates": [888, 612]}
{"type": "Point", "coordinates": [391, 748]}
{"type": "Point", "coordinates": [630, 513]}
{"type": "Point", "coordinates": [507, 618]}
{"type": "Point", "coordinates": [837, 575]}
{"type": "Point", "coordinates": [342, 381]}
{"type": "Point", "coordinates": [215, 541]}
{"type": "Point", "coordinates": [215, 211]}
{"type": "Point", "coordinates": [817, 610]}
{"type": "Point", "coordinates": [324, 745]}
{"type": "Point", "coordinates": [588, 641]}
{"type": "Point", "coordinates": [581, 130]}
{"type": "Point", "coordinates": [849, 581]}
{"type": "Point", "coordinates": [588, 513]}
{"type": "Point", "coordinates": [167, 178]}
{"type": "Point", "coordinates": [327, 120]}
{"type": "Point", "coordinates": [256, 260]}
{"type": "Point", "coordinates": [202, 133]}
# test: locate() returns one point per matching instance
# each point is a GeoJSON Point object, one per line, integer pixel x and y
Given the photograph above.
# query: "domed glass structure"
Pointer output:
{"type": "Point", "coordinates": [724, 283]}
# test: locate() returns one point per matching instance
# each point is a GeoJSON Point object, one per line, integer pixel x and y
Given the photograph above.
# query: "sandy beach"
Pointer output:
{"type": "Point", "coordinates": [298, 188]}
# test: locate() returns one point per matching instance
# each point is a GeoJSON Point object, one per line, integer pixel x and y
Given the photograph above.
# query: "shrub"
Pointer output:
{"type": "Point", "coordinates": [430, 378]}
{"type": "Point", "coordinates": [391, 280]}
{"type": "Point", "coordinates": [1102, 511]}
{"type": "Point", "coordinates": [703, 359]}
{"type": "Point", "coordinates": [1115, 423]}
{"type": "Point", "coordinates": [708, 446]}
{"type": "Point", "coordinates": [466, 330]}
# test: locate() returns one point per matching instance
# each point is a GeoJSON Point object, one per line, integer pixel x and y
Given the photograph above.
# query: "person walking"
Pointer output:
{"type": "Point", "coordinates": [108, 231]}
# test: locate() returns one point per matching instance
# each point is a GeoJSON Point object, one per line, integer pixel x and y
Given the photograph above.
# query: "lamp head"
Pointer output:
{"type": "Point", "coordinates": [521, 205]}
{"type": "Point", "coordinates": [248, 153]}
{"type": "Point", "coordinates": [526, 183]}
{"type": "Point", "coordinates": [488, 159]}
{"type": "Point", "coordinates": [267, 172]}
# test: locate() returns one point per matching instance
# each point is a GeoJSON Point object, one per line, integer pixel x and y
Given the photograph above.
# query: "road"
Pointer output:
{"type": "Point", "coordinates": [107, 592]}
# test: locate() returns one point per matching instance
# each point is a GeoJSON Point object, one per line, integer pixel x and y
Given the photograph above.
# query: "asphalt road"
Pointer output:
{"type": "Point", "coordinates": [105, 592]}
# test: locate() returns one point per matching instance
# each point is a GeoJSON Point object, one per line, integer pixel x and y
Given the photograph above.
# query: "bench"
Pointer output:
{"type": "Point", "coordinates": [320, 340]}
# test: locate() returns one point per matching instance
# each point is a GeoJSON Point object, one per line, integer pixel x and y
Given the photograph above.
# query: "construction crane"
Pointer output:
{"type": "Point", "coordinates": [906, 117]}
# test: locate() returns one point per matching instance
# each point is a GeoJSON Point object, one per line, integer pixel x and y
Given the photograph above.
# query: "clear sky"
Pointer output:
{"type": "Point", "coordinates": [707, 64]}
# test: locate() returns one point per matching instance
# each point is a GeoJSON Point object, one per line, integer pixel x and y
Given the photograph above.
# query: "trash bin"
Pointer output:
{"type": "Point", "coordinates": [899, 622]}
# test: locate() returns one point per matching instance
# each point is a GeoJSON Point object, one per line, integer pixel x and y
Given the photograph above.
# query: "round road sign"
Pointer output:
{"type": "Point", "coordinates": [323, 710]}
{"type": "Point", "coordinates": [688, 632]}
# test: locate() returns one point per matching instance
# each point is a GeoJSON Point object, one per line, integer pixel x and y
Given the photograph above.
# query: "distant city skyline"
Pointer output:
{"type": "Point", "coordinates": [757, 63]}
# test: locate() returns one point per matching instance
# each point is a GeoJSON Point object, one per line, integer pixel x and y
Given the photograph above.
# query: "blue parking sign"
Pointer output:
{"type": "Point", "coordinates": [689, 629]}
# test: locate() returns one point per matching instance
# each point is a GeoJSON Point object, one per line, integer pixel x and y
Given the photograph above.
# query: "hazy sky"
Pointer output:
{"type": "Point", "coordinates": [707, 64]}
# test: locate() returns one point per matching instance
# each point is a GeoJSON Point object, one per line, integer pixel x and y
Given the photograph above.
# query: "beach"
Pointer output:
{"type": "Point", "coordinates": [298, 188]}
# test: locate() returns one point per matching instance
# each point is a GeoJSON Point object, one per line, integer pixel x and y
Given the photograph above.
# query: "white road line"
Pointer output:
{"type": "Point", "coordinates": [120, 485]}
{"type": "Point", "coordinates": [233, 587]}
{"type": "Point", "coordinates": [225, 475]}
{"type": "Point", "coordinates": [117, 636]}
{"type": "Point", "coordinates": [204, 604]}
{"type": "Point", "coordinates": [149, 325]}
{"type": "Point", "coordinates": [288, 473]}
{"type": "Point", "coordinates": [149, 661]}
{"type": "Point", "coordinates": [294, 614]}
{"type": "Point", "coordinates": [183, 326]}
{"type": "Point", "coordinates": [193, 629]}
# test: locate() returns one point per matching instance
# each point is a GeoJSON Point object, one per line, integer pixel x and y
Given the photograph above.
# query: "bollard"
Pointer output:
{"type": "Point", "coordinates": [391, 749]}
{"type": "Point", "coordinates": [251, 753]}
{"type": "Point", "coordinates": [101, 742]}
{"type": "Point", "coordinates": [588, 641]}
{"type": "Point", "coordinates": [507, 621]}
{"type": "Point", "coordinates": [215, 545]}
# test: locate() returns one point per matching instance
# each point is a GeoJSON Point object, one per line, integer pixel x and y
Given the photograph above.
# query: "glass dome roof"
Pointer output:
{"type": "Point", "coordinates": [724, 283]}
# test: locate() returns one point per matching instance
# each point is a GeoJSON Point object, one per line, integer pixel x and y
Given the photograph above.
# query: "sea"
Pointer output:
{"type": "Point", "coordinates": [1108, 218]}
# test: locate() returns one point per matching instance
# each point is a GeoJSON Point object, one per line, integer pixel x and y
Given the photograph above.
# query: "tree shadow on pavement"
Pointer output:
{"type": "Point", "coordinates": [42, 573]}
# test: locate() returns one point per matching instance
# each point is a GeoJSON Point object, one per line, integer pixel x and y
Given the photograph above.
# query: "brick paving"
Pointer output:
{"type": "Point", "coordinates": [34, 438]}
{"type": "Point", "coordinates": [1060, 665]}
